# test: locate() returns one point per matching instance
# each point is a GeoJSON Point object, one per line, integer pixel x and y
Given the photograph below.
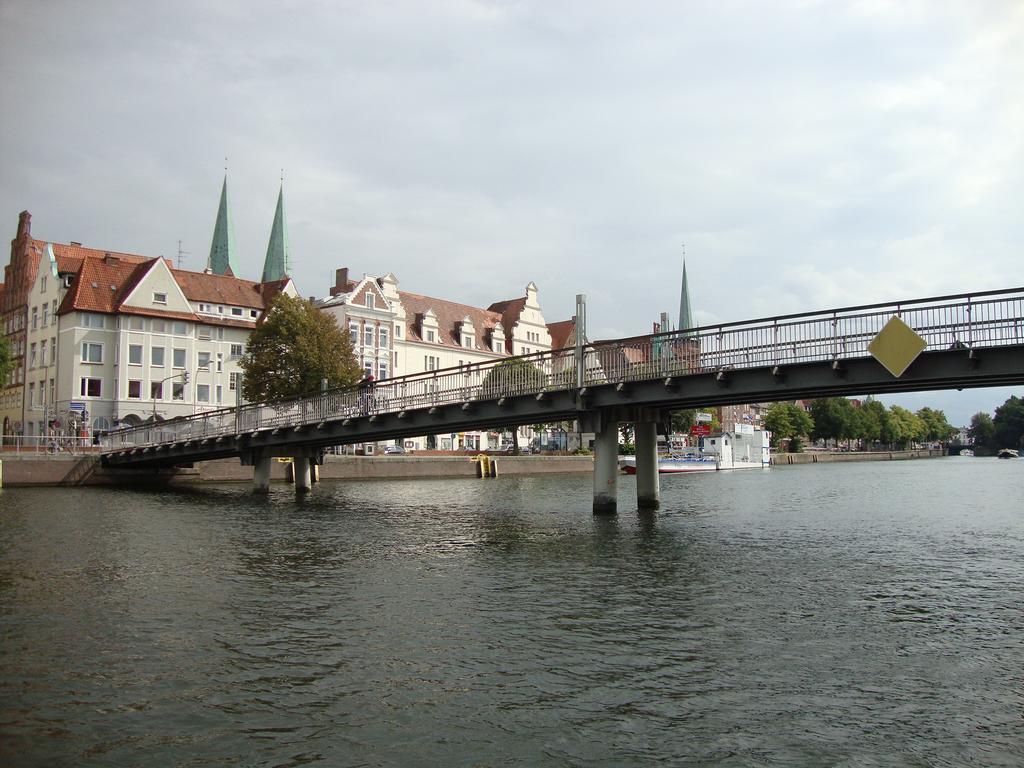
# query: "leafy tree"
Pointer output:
{"type": "Point", "coordinates": [788, 421]}
{"type": "Point", "coordinates": [294, 348]}
{"type": "Point", "coordinates": [911, 426]}
{"type": "Point", "coordinates": [512, 377]}
{"type": "Point", "coordinates": [936, 426]}
{"type": "Point", "coordinates": [981, 430]}
{"type": "Point", "coordinates": [683, 420]}
{"type": "Point", "coordinates": [872, 419]}
{"type": "Point", "coordinates": [1008, 424]}
{"type": "Point", "coordinates": [6, 361]}
{"type": "Point", "coordinates": [833, 418]}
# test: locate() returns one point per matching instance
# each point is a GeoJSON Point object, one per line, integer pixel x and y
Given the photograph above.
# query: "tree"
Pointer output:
{"type": "Point", "coordinates": [833, 418]}
{"type": "Point", "coordinates": [872, 419]}
{"type": "Point", "coordinates": [982, 431]}
{"type": "Point", "coordinates": [683, 420]}
{"type": "Point", "coordinates": [512, 377]}
{"type": "Point", "coordinates": [788, 421]}
{"type": "Point", "coordinates": [1008, 424]}
{"type": "Point", "coordinates": [911, 426]}
{"type": "Point", "coordinates": [936, 426]}
{"type": "Point", "coordinates": [293, 349]}
{"type": "Point", "coordinates": [6, 361]}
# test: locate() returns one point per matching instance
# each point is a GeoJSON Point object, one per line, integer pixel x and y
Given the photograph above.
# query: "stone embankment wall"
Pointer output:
{"type": "Point", "coordinates": [34, 469]}
{"type": "Point", "coordinates": [816, 457]}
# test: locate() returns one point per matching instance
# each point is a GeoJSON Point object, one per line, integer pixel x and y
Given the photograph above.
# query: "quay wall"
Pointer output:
{"type": "Point", "coordinates": [28, 469]}
{"type": "Point", "coordinates": [817, 457]}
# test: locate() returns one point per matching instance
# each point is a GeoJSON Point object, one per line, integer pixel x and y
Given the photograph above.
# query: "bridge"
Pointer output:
{"type": "Point", "coordinates": [966, 340]}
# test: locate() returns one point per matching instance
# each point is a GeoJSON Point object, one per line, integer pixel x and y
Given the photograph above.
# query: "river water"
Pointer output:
{"type": "Point", "coordinates": [864, 614]}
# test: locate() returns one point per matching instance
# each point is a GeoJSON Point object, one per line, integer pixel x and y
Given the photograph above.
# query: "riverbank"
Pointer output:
{"type": "Point", "coordinates": [22, 470]}
{"type": "Point", "coordinates": [816, 457]}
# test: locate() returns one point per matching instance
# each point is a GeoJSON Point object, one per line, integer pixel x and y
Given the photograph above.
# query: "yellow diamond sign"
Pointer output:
{"type": "Point", "coordinates": [896, 346]}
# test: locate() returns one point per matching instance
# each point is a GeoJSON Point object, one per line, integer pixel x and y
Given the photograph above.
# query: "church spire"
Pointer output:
{"type": "Point", "coordinates": [222, 250]}
{"type": "Point", "coordinates": [278, 263]}
{"type": "Point", "coordinates": [685, 315]}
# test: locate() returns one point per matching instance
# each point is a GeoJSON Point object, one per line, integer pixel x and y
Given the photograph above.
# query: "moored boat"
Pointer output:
{"type": "Point", "coordinates": [674, 463]}
{"type": "Point", "coordinates": [1009, 453]}
{"type": "Point", "coordinates": [966, 452]}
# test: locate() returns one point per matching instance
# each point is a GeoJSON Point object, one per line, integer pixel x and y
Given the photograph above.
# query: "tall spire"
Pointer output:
{"type": "Point", "coordinates": [222, 250]}
{"type": "Point", "coordinates": [685, 316]}
{"type": "Point", "coordinates": [278, 263]}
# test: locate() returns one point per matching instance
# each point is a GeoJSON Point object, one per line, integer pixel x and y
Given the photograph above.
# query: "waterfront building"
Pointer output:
{"type": "Point", "coordinates": [397, 333]}
{"type": "Point", "coordinates": [101, 338]}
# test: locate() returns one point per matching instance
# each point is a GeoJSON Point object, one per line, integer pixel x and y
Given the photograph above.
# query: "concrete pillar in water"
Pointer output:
{"type": "Point", "coordinates": [302, 480]}
{"type": "Point", "coordinates": [648, 492]}
{"type": "Point", "coordinates": [606, 468]}
{"type": "Point", "coordinates": [261, 475]}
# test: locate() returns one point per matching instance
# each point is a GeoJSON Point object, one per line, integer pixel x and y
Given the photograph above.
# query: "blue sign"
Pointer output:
{"type": "Point", "coordinates": [76, 406]}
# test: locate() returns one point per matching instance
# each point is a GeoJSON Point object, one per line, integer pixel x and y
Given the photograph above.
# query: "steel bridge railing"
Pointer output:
{"type": "Point", "coordinates": [989, 319]}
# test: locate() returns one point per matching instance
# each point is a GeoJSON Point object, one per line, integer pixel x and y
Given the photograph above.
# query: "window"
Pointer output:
{"type": "Point", "coordinates": [156, 390]}
{"type": "Point", "coordinates": [253, 313]}
{"type": "Point", "coordinates": [53, 351]}
{"type": "Point", "coordinates": [220, 394]}
{"type": "Point", "coordinates": [236, 311]}
{"type": "Point", "coordinates": [90, 320]}
{"type": "Point", "coordinates": [204, 307]}
{"type": "Point", "coordinates": [370, 300]}
{"type": "Point", "coordinates": [467, 341]}
{"type": "Point", "coordinates": [134, 354]}
{"type": "Point", "coordinates": [204, 361]}
{"type": "Point", "coordinates": [383, 338]}
{"type": "Point", "coordinates": [53, 312]}
{"type": "Point", "coordinates": [177, 390]}
{"type": "Point", "coordinates": [203, 332]}
{"type": "Point", "coordinates": [90, 387]}
{"type": "Point", "coordinates": [42, 352]}
{"type": "Point", "coordinates": [430, 335]}
{"type": "Point", "coordinates": [134, 389]}
{"type": "Point", "coordinates": [353, 331]}
{"type": "Point", "coordinates": [220, 309]}
{"type": "Point", "coordinates": [159, 297]}
{"type": "Point", "coordinates": [233, 381]}
{"type": "Point", "coordinates": [46, 315]}
{"type": "Point", "coordinates": [156, 357]}
{"type": "Point", "coordinates": [179, 328]}
{"type": "Point", "coordinates": [178, 359]}
{"type": "Point", "coordinates": [35, 318]}
{"type": "Point", "coordinates": [430, 362]}
{"type": "Point", "coordinates": [159, 326]}
{"type": "Point", "coordinates": [382, 371]}
{"type": "Point", "coordinates": [368, 369]}
{"type": "Point", "coordinates": [42, 284]}
{"type": "Point", "coordinates": [220, 362]}
{"type": "Point", "coordinates": [236, 351]}
{"type": "Point", "coordinates": [496, 345]}
{"type": "Point", "coordinates": [203, 393]}
{"type": "Point", "coordinates": [32, 355]}
{"type": "Point", "coordinates": [91, 352]}
{"type": "Point", "coordinates": [31, 395]}
{"type": "Point", "coordinates": [398, 331]}
{"type": "Point", "coordinates": [368, 335]}
{"type": "Point", "coordinates": [136, 324]}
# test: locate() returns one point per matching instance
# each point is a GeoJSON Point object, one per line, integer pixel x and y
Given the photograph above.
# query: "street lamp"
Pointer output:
{"type": "Point", "coordinates": [184, 380]}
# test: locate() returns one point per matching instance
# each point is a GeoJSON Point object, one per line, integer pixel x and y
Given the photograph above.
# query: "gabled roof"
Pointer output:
{"type": "Point", "coordinates": [561, 332]}
{"type": "Point", "coordinates": [70, 255]}
{"type": "Point", "coordinates": [101, 284]}
{"type": "Point", "coordinates": [510, 311]}
{"type": "Point", "coordinates": [219, 289]}
{"type": "Point", "coordinates": [449, 317]}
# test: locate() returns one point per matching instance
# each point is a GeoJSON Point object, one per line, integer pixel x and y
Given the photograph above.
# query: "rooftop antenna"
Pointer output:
{"type": "Point", "coordinates": [181, 254]}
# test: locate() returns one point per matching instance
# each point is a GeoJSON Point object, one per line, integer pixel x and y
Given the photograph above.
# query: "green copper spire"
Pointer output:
{"type": "Point", "coordinates": [279, 253]}
{"type": "Point", "coordinates": [685, 317]}
{"type": "Point", "coordinates": [222, 250]}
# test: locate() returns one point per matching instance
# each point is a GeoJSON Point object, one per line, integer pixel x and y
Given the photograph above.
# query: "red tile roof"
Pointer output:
{"type": "Point", "coordinates": [221, 289]}
{"type": "Point", "coordinates": [449, 318]}
{"type": "Point", "coordinates": [510, 311]}
{"type": "Point", "coordinates": [561, 332]}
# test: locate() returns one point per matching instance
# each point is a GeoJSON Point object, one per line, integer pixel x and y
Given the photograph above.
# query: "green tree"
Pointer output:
{"type": "Point", "coordinates": [911, 426]}
{"type": "Point", "coordinates": [788, 421]}
{"type": "Point", "coordinates": [511, 377]}
{"type": "Point", "coordinates": [936, 426]}
{"type": "Point", "coordinates": [981, 430]}
{"type": "Point", "coordinates": [1008, 424]}
{"type": "Point", "coordinates": [833, 419]}
{"type": "Point", "coordinates": [683, 420]}
{"type": "Point", "coordinates": [293, 349]}
{"type": "Point", "coordinates": [872, 417]}
{"type": "Point", "coordinates": [6, 361]}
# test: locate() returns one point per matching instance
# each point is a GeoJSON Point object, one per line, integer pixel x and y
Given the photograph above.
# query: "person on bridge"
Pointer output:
{"type": "Point", "coordinates": [366, 399]}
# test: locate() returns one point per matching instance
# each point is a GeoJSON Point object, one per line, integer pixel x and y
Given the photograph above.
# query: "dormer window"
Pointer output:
{"type": "Point", "coordinates": [370, 300]}
{"type": "Point", "coordinates": [159, 297]}
{"type": "Point", "coordinates": [467, 341]}
{"type": "Point", "coordinates": [430, 335]}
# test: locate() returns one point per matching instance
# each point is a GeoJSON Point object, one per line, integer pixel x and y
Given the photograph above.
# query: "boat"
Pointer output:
{"type": "Point", "coordinates": [674, 463]}
{"type": "Point", "coordinates": [743, 448]}
{"type": "Point", "coordinates": [1009, 453]}
{"type": "Point", "coordinates": [966, 452]}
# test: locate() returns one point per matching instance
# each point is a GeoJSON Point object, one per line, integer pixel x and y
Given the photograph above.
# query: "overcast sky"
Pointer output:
{"type": "Point", "coordinates": [809, 154]}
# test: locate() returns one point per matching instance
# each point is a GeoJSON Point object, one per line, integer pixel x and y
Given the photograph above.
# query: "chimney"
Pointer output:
{"type": "Point", "coordinates": [109, 259]}
{"type": "Point", "coordinates": [24, 224]}
{"type": "Point", "coordinates": [340, 281]}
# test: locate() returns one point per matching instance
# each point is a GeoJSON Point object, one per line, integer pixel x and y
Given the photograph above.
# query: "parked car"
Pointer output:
{"type": "Point", "coordinates": [393, 449]}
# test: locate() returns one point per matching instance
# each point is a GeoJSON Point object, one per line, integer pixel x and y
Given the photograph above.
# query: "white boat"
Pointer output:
{"type": "Point", "coordinates": [672, 464]}
{"type": "Point", "coordinates": [744, 448]}
{"type": "Point", "coordinates": [1009, 453]}
{"type": "Point", "coordinates": [966, 452]}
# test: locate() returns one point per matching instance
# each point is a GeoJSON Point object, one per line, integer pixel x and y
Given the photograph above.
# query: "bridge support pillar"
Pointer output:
{"type": "Point", "coordinates": [261, 475]}
{"type": "Point", "coordinates": [648, 492]}
{"type": "Point", "coordinates": [302, 474]}
{"type": "Point", "coordinates": [606, 467]}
